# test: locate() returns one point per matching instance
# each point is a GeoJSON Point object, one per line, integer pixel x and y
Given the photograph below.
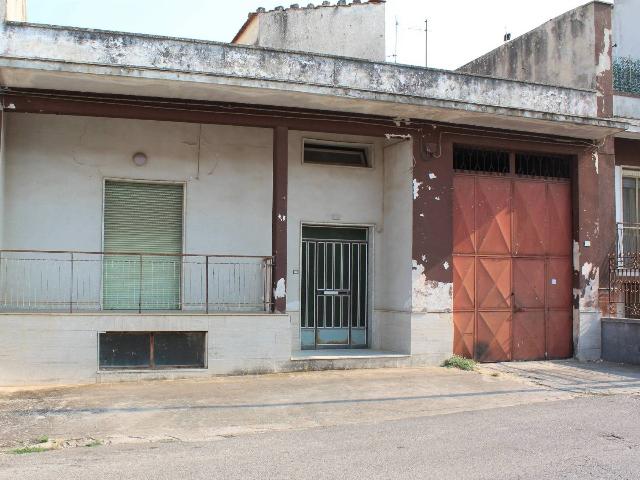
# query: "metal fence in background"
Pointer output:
{"type": "Point", "coordinates": [626, 75]}
{"type": "Point", "coordinates": [66, 281]}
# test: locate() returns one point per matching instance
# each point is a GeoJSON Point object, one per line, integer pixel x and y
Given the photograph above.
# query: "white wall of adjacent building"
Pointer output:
{"type": "Point", "coordinates": [626, 35]}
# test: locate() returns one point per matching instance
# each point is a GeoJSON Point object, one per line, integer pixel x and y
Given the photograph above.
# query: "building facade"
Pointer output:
{"type": "Point", "coordinates": [596, 46]}
{"type": "Point", "coordinates": [175, 208]}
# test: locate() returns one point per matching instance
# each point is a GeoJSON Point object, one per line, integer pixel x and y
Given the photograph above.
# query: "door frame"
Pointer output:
{"type": "Point", "coordinates": [371, 229]}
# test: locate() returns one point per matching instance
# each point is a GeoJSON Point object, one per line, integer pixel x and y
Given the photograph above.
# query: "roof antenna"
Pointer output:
{"type": "Point", "coordinates": [426, 43]}
{"type": "Point", "coordinates": [507, 35]}
{"type": "Point", "coordinates": [395, 49]}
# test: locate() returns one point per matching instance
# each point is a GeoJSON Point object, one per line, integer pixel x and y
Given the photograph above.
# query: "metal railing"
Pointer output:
{"type": "Point", "coordinates": [627, 238]}
{"type": "Point", "coordinates": [624, 272]}
{"type": "Point", "coordinates": [624, 284]}
{"type": "Point", "coordinates": [73, 281]}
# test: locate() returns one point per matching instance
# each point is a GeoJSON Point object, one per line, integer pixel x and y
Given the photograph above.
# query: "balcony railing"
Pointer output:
{"type": "Point", "coordinates": [627, 238]}
{"type": "Point", "coordinates": [624, 272]}
{"type": "Point", "coordinates": [66, 281]}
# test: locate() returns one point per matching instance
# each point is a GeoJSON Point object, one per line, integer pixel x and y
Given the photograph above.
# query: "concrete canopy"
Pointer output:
{"type": "Point", "coordinates": [60, 58]}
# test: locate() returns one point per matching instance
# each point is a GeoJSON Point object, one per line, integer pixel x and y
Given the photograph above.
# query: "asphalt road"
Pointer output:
{"type": "Point", "coordinates": [583, 438]}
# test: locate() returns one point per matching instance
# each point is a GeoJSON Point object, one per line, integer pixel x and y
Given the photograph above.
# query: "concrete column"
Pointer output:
{"type": "Point", "coordinates": [279, 217]}
{"type": "Point", "coordinates": [432, 275]}
{"type": "Point", "coordinates": [594, 239]}
{"type": "Point", "coordinates": [3, 126]}
{"type": "Point", "coordinates": [391, 328]}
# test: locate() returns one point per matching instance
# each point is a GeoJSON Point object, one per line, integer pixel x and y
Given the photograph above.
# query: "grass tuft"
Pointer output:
{"type": "Point", "coordinates": [460, 363]}
{"type": "Point", "coordinates": [42, 439]}
{"type": "Point", "coordinates": [24, 450]}
{"type": "Point", "coordinates": [93, 443]}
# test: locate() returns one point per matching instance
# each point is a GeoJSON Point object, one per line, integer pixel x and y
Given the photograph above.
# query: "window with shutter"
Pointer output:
{"type": "Point", "coordinates": [142, 219]}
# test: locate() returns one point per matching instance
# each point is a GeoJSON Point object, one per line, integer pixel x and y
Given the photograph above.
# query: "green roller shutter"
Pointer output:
{"type": "Point", "coordinates": [142, 218]}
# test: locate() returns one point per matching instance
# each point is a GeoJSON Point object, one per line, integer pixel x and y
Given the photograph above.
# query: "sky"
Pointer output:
{"type": "Point", "coordinates": [458, 31]}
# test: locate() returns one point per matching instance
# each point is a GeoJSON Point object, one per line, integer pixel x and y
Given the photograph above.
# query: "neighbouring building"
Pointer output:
{"type": "Point", "coordinates": [177, 208]}
{"type": "Point", "coordinates": [596, 46]}
{"type": "Point", "coordinates": [346, 29]}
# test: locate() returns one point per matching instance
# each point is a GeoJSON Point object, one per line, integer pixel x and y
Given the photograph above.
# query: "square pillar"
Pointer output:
{"type": "Point", "coordinates": [432, 275]}
{"type": "Point", "coordinates": [594, 239]}
{"type": "Point", "coordinates": [279, 217]}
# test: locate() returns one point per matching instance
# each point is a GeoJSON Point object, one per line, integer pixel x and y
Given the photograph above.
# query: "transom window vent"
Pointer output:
{"type": "Point", "coordinates": [550, 166]}
{"type": "Point", "coordinates": [477, 160]}
{"type": "Point", "coordinates": [329, 153]}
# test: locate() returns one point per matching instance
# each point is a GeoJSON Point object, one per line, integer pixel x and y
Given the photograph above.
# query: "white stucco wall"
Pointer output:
{"type": "Point", "coordinates": [332, 195]}
{"type": "Point", "coordinates": [626, 34]}
{"type": "Point", "coordinates": [62, 349]}
{"type": "Point", "coordinates": [392, 315]}
{"type": "Point", "coordinates": [626, 106]}
{"type": "Point", "coordinates": [56, 167]}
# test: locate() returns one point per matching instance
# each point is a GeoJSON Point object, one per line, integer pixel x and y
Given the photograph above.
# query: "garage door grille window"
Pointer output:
{"type": "Point", "coordinates": [479, 160]}
{"type": "Point", "coordinates": [547, 166]}
{"type": "Point", "coordinates": [142, 233]}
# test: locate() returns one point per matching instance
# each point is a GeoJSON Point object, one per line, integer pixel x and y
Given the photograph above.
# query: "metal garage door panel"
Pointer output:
{"type": "Point", "coordinates": [559, 334]}
{"type": "Point", "coordinates": [528, 335]}
{"type": "Point", "coordinates": [493, 283]}
{"type": "Point", "coordinates": [464, 283]}
{"type": "Point", "coordinates": [493, 216]}
{"type": "Point", "coordinates": [463, 214]}
{"type": "Point", "coordinates": [463, 327]}
{"type": "Point", "coordinates": [559, 219]}
{"type": "Point", "coordinates": [493, 339]}
{"type": "Point", "coordinates": [528, 283]}
{"type": "Point", "coordinates": [559, 283]}
{"type": "Point", "coordinates": [529, 218]}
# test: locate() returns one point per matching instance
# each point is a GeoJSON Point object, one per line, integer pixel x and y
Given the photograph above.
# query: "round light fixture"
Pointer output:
{"type": "Point", "coordinates": [140, 159]}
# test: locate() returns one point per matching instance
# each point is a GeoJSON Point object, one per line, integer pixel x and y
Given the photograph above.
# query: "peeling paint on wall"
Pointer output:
{"type": "Point", "coordinates": [589, 294]}
{"type": "Point", "coordinates": [604, 58]}
{"type": "Point", "coordinates": [429, 295]}
{"type": "Point", "coordinates": [596, 160]}
{"type": "Point", "coordinates": [586, 270]}
{"type": "Point", "coordinates": [416, 188]}
{"type": "Point", "coordinates": [281, 289]}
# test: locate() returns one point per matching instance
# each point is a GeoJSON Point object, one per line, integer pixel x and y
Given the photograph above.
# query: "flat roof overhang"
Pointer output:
{"type": "Point", "coordinates": [56, 58]}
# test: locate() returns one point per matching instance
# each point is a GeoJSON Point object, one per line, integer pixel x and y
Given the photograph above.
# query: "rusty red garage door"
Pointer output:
{"type": "Point", "coordinates": [512, 256]}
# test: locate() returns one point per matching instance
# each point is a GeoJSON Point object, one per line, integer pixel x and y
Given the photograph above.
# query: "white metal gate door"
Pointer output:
{"type": "Point", "coordinates": [334, 287]}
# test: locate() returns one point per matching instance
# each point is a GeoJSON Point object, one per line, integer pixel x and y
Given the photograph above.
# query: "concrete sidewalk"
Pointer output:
{"type": "Point", "coordinates": [231, 406]}
{"type": "Point", "coordinates": [591, 378]}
